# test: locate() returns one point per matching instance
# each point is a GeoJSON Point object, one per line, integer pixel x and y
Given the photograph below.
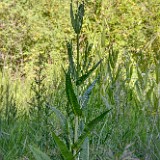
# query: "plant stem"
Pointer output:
{"type": "Point", "coordinates": [76, 123]}
{"type": "Point", "coordinates": [78, 68]}
{"type": "Point", "coordinates": [75, 132]}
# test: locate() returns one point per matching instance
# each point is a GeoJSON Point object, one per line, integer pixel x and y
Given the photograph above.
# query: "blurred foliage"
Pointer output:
{"type": "Point", "coordinates": [28, 27]}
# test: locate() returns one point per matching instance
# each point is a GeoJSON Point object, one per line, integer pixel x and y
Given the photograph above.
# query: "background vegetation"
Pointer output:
{"type": "Point", "coordinates": [124, 33]}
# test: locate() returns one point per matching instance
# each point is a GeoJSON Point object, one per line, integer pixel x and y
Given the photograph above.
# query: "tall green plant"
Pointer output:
{"type": "Point", "coordinates": [74, 144]}
{"type": "Point", "coordinates": [76, 128]}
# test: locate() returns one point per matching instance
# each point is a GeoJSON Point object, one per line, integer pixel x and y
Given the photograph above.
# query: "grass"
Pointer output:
{"type": "Point", "coordinates": [52, 113]}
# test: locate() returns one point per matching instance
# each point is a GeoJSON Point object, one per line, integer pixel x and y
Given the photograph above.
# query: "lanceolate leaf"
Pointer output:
{"type": "Point", "coordinates": [139, 73]}
{"type": "Point", "coordinates": [139, 90]}
{"type": "Point", "coordinates": [113, 57]}
{"type": "Point", "coordinates": [72, 16]}
{"type": "Point", "coordinates": [130, 71]}
{"type": "Point", "coordinates": [63, 121]}
{"type": "Point", "coordinates": [77, 31]}
{"type": "Point", "coordinates": [85, 97]}
{"type": "Point", "coordinates": [117, 73]}
{"type": "Point", "coordinates": [67, 155]}
{"type": "Point", "coordinates": [85, 76]}
{"type": "Point", "coordinates": [85, 149]}
{"type": "Point", "coordinates": [89, 127]}
{"type": "Point", "coordinates": [150, 92]}
{"type": "Point", "coordinates": [71, 62]}
{"type": "Point", "coordinates": [157, 71]}
{"type": "Point", "coordinates": [110, 71]}
{"type": "Point", "coordinates": [110, 59]}
{"type": "Point", "coordinates": [72, 97]}
{"type": "Point", "coordinates": [80, 15]}
{"type": "Point", "coordinates": [60, 116]}
{"type": "Point", "coordinates": [38, 154]}
{"type": "Point", "coordinates": [86, 57]}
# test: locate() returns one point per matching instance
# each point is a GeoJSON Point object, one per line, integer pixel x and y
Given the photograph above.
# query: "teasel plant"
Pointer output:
{"type": "Point", "coordinates": [73, 143]}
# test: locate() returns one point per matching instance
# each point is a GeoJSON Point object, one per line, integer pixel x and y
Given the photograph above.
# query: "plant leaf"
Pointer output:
{"type": "Point", "coordinates": [85, 97]}
{"type": "Point", "coordinates": [117, 74]}
{"type": "Point", "coordinates": [157, 71]}
{"type": "Point", "coordinates": [64, 124]}
{"type": "Point", "coordinates": [140, 77]}
{"type": "Point", "coordinates": [80, 15]}
{"type": "Point", "coordinates": [110, 71]}
{"type": "Point", "coordinates": [77, 30]}
{"type": "Point", "coordinates": [72, 16]}
{"type": "Point", "coordinates": [85, 150]}
{"type": "Point", "coordinates": [113, 57]}
{"type": "Point", "coordinates": [138, 90]}
{"type": "Point", "coordinates": [71, 62]}
{"type": "Point", "coordinates": [38, 154]}
{"type": "Point", "coordinates": [89, 127]}
{"type": "Point", "coordinates": [67, 155]}
{"type": "Point", "coordinates": [130, 71]}
{"type": "Point", "coordinates": [86, 58]}
{"type": "Point", "coordinates": [85, 76]}
{"type": "Point", "coordinates": [150, 91]}
{"type": "Point", "coordinates": [72, 97]}
{"type": "Point", "coordinates": [61, 117]}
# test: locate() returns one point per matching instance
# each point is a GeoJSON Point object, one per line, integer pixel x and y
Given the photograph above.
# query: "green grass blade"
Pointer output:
{"type": "Point", "coordinates": [139, 90]}
{"type": "Point", "coordinates": [130, 71]}
{"type": "Point", "coordinates": [117, 74]}
{"type": "Point", "coordinates": [89, 127]}
{"type": "Point", "coordinates": [139, 74]}
{"type": "Point", "coordinates": [150, 92]}
{"type": "Point", "coordinates": [110, 60]}
{"type": "Point", "coordinates": [67, 155]}
{"type": "Point", "coordinates": [157, 72]}
{"type": "Point", "coordinates": [72, 97]}
{"type": "Point", "coordinates": [113, 57]}
{"type": "Point", "coordinates": [85, 76]}
{"type": "Point", "coordinates": [110, 71]}
{"type": "Point", "coordinates": [38, 154]}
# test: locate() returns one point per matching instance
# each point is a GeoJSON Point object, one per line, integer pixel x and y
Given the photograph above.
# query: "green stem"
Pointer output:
{"type": "Point", "coordinates": [76, 120]}
{"type": "Point", "coordinates": [76, 132]}
{"type": "Point", "coordinates": [78, 68]}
